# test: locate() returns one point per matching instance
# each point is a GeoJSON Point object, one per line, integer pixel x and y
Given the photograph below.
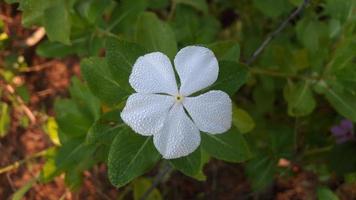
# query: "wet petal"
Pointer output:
{"type": "Point", "coordinates": [146, 113]}
{"type": "Point", "coordinates": [197, 68]}
{"type": "Point", "coordinates": [179, 136]}
{"type": "Point", "coordinates": [153, 73]}
{"type": "Point", "coordinates": [211, 111]}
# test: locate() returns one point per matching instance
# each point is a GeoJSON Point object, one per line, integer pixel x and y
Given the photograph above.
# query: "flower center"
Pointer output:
{"type": "Point", "coordinates": [179, 98]}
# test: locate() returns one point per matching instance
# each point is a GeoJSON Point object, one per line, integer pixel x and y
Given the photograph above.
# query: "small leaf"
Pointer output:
{"type": "Point", "coordinates": [230, 146]}
{"type": "Point", "coordinates": [156, 35]}
{"type": "Point", "coordinates": [325, 193]}
{"type": "Point", "coordinates": [4, 119]}
{"type": "Point", "coordinates": [130, 156]}
{"type": "Point", "coordinates": [242, 120]}
{"type": "Point", "coordinates": [57, 23]}
{"type": "Point", "coordinates": [300, 99]}
{"type": "Point", "coordinates": [189, 165]}
{"type": "Point", "coordinates": [140, 186]}
{"type": "Point", "coordinates": [101, 81]}
{"type": "Point", "coordinates": [52, 131]}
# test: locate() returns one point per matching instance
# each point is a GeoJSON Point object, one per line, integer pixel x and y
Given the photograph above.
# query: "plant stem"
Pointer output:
{"type": "Point", "coordinates": [17, 164]}
{"type": "Point", "coordinates": [280, 28]}
{"type": "Point", "coordinates": [164, 171]}
{"type": "Point", "coordinates": [318, 150]}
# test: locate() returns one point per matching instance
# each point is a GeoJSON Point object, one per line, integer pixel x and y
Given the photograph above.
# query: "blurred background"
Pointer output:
{"type": "Point", "coordinates": [296, 110]}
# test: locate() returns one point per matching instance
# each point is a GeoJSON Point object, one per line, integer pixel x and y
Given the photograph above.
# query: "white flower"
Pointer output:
{"type": "Point", "coordinates": [174, 118]}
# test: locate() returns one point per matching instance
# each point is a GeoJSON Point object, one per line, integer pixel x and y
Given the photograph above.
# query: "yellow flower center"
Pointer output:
{"type": "Point", "coordinates": [179, 98]}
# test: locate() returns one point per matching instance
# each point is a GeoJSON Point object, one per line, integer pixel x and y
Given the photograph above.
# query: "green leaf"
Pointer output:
{"type": "Point", "coordinates": [325, 193]}
{"type": "Point", "coordinates": [92, 10]}
{"type": "Point", "coordinates": [106, 128]}
{"type": "Point", "coordinates": [231, 77]}
{"type": "Point", "coordinates": [125, 15]}
{"type": "Point", "coordinates": [33, 10]}
{"type": "Point", "coordinates": [49, 49]}
{"type": "Point", "coordinates": [156, 35]}
{"type": "Point", "coordinates": [230, 146]}
{"type": "Point", "coordinates": [189, 165]}
{"type": "Point", "coordinates": [200, 5]}
{"type": "Point", "coordinates": [101, 82]}
{"type": "Point", "coordinates": [308, 33]}
{"type": "Point", "coordinates": [57, 23]}
{"type": "Point", "coordinates": [84, 99]}
{"type": "Point", "coordinates": [4, 119]}
{"type": "Point", "coordinates": [121, 56]}
{"type": "Point", "coordinates": [341, 158]}
{"type": "Point", "coordinates": [226, 50]}
{"type": "Point", "coordinates": [52, 131]}
{"type": "Point", "coordinates": [341, 11]}
{"type": "Point", "coordinates": [260, 171]}
{"type": "Point", "coordinates": [272, 8]}
{"type": "Point", "coordinates": [130, 156]}
{"type": "Point", "coordinates": [343, 101]}
{"type": "Point", "coordinates": [300, 99]}
{"type": "Point", "coordinates": [242, 120]}
{"type": "Point", "coordinates": [141, 185]}
{"type": "Point", "coordinates": [71, 121]}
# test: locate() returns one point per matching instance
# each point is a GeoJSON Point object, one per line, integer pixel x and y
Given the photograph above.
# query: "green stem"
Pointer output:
{"type": "Point", "coordinates": [172, 10]}
{"type": "Point", "coordinates": [318, 150]}
{"type": "Point", "coordinates": [17, 164]}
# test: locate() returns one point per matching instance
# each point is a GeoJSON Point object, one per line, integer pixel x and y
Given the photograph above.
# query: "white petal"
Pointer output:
{"type": "Point", "coordinates": [146, 113]}
{"type": "Point", "coordinates": [179, 136]}
{"type": "Point", "coordinates": [211, 111]}
{"type": "Point", "coordinates": [197, 68]}
{"type": "Point", "coordinates": [153, 73]}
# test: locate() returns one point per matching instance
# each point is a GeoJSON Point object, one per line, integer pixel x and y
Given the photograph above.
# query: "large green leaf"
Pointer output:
{"type": "Point", "coordinates": [189, 165]}
{"type": "Point", "coordinates": [130, 156]}
{"type": "Point", "coordinates": [57, 23]}
{"type": "Point", "coordinates": [101, 81]}
{"type": "Point", "coordinates": [300, 99]}
{"type": "Point", "coordinates": [232, 76]}
{"type": "Point", "coordinates": [156, 35]}
{"type": "Point", "coordinates": [121, 56]}
{"type": "Point", "coordinates": [230, 146]}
